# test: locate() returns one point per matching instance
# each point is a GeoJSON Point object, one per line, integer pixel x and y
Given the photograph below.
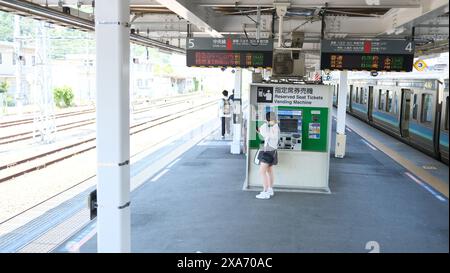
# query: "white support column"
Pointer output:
{"type": "Point", "coordinates": [237, 113]}
{"type": "Point", "coordinates": [112, 36]}
{"type": "Point", "coordinates": [340, 128]}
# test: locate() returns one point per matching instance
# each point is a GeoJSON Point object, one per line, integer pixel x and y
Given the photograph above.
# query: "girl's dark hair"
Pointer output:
{"type": "Point", "coordinates": [270, 116]}
{"type": "Point", "coordinates": [225, 93]}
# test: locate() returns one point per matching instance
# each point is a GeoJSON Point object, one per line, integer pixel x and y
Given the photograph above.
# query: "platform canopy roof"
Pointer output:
{"type": "Point", "coordinates": [166, 23]}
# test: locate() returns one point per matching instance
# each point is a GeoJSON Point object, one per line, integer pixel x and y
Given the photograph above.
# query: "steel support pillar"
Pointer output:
{"type": "Point", "coordinates": [112, 36]}
{"type": "Point", "coordinates": [341, 107]}
{"type": "Point", "coordinates": [237, 113]}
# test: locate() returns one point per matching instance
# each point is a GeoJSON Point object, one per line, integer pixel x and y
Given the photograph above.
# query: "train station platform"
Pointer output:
{"type": "Point", "coordinates": [196, 204]}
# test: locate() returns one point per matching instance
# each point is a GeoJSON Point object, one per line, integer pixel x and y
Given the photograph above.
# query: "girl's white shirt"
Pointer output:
{"type": "Point", "coordinates": [271, 134]}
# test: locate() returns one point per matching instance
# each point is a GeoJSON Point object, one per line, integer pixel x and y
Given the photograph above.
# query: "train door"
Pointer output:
{"type": "Point", "coordinates": [443, 138]}
{"type": "Point", "coordinates": [405, 112]}
{"type": "Point", "coordinates": [370, 104]}
{"type": "Point", "coordinates": [350, 98]}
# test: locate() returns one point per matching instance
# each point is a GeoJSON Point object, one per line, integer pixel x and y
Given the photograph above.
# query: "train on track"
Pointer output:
{"type": "Point", "coordinates": [413, 110]}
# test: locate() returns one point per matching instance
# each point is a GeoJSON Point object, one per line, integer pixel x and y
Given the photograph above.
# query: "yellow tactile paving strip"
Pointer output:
{"type": "Point", "coordinates": [436, 183]}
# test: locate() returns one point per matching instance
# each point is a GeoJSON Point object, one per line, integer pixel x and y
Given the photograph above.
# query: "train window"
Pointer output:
{"type": "Point", "coordinates": [1, 58]}
{"type": "Point", "coordinates": [335, 93]}
{"type": "Point", "coordinates": [353, 96]}
{"type": "Point", "coordinates": [357, 95]}
{"type": "Point", "coordinates": [389, 98]}
{"type": "Point", "coordinates": [361, 95]}
{"type": "Point", "coordinates": [446, 114]}
{"type": "Point", "coordinates": [395, 102]}
{"type": "Point", "coordinates": [348, 95]}
{"type": "Point", "coordinates": [379, 99]}
{"type": "Point", "coordinates": [427, 108]}
{"type": "Point", "coordinates": [382, 100]}
{"type": "Point", "coordinates": [415, 107]}
{"type": "Point", "coordinates": [365, 96]}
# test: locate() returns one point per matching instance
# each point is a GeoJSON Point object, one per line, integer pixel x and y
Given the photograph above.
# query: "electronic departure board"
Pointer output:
{"type": "Point", "coordinates": [229, 52]}
{"type": "Point", "coordinates": [373, 55]}
{"type": "Point", "coordinates": [224, 59]}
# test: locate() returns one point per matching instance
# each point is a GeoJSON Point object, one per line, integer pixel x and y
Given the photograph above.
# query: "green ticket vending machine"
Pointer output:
{"type": "Point", "coordinates": [304, 116]}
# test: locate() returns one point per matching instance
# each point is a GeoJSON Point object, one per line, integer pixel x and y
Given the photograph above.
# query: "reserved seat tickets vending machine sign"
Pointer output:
{"type": "Point", "coordinates": [304, 117]}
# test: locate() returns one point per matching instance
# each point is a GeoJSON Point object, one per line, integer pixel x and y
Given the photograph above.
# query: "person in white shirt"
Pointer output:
{"type": "Point", "coordinates": [225, 113]}
{"type": "Point", "coordinates": [268, 156]}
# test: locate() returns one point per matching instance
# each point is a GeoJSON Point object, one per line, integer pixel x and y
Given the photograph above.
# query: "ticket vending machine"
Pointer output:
{"type": "Point", "coordinates": [304, 117]}
{"type": "Point", "coordinates": [290, 123]}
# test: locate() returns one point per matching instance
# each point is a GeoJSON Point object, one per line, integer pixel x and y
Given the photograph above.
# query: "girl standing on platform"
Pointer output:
{"type": "Point", "coordinates": [268, 156]}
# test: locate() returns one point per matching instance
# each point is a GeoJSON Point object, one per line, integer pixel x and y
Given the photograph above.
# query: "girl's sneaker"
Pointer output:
{"type": "Point", "coordinates": [263, 195]}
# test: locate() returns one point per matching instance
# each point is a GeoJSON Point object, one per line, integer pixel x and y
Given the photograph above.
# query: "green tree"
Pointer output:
{"type": "Point", "coordinates": [157, 69]}
{"type": "Point", "coordinates": [196, 83]}
{"type": "Point", "coordinates": [167, 69]}
{"type": "Point", "coordinates": [63, 96]}
{"type": "Point", "coordinates": [69, 41]}
{"type": "Point", "coordinates": [6, 26]}
{"type": "Point", "coordinates": [4, 87]}
{"type": "Point", "coordinates": [28, 31]}
{"type": "Point", "coordinates": [27, 28]}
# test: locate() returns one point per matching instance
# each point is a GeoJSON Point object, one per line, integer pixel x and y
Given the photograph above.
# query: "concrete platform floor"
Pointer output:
{"type": "Point", "coordinates": [199, 205]}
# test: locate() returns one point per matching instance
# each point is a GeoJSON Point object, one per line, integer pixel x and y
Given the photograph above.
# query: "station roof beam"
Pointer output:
{"type": "Point", "coordinates": [400, 19]}
{"type": "Point", "coordinates": [77, 20]}
{"type": "Point", "coordinates": [309, 3]}
{"type": "Point", "coordinates": [199, 16]}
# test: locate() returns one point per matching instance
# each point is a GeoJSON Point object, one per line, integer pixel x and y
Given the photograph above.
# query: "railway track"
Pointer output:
{"type": "Point", "coordinates": [30, 120]}
{"type": "Point", "coordinates": [39, 161]}
{"type": "Point", "coordinates": [26, 135]}
{"type": "Point", "coordinates": [30, 134]}
{"type": "Point", "coordinates": [162, 103]}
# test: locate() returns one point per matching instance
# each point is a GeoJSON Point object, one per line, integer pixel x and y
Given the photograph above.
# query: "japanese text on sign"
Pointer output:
{"type": "Point", "coordinates": [385, 46]}
{"type": "Point", "coordinates": [295, 96]}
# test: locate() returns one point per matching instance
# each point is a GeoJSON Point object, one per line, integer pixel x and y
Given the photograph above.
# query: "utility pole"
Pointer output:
{"type": "Point", "coordinates": [44, 119]}
{"type": "Point", "coordinates": [18, 58]}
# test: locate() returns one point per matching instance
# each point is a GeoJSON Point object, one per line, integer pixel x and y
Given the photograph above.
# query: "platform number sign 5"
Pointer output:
{"type": "Point", "coordinates": [373, 246]}
{"type": "Point", "coordinates": [409, 47]}
{"type": "Point", "coordinates": [191, 43]}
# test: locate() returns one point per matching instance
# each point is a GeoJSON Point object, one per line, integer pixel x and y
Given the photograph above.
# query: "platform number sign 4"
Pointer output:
{"type": "Point", "coordinates": [409, 47]}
